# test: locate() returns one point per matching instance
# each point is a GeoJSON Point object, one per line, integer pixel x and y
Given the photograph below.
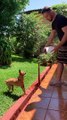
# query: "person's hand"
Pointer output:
{"type": "Point", "coordinates": [55, 49]}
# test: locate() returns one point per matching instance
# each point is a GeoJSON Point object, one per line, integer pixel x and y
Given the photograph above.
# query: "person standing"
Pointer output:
{"type": "Point", "coordinates": [59, 27]}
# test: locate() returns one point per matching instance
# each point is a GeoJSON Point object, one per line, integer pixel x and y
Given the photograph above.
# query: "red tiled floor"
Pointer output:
{"type": "Point", "coordinates": [34, 114]}
{"type": "Point", "coordinates": [47, 104]}
{"type": "Point", "coordinates": [64, 76]}
{"type": "Point", "coordinates": [41, 92]}
{"type": "Point", "coordinates": [60, 93]}
{"type": "Point", "coordinates": [64, 88]}
{"type": "Point", "coordinates": [58, 104]}
{"type": "Point", "coordinates": [38, 102]}
{"type": "Point", "coordinates": [36, 109]}
{"type": "Point", "coordinates": [56, 115]}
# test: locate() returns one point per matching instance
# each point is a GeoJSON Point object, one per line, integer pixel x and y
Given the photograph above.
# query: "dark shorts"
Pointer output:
{"type": "Point", "coordinates": [62, 55]}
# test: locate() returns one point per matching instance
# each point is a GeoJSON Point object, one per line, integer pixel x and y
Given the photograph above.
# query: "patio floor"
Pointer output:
{"type": "Point", "coordinates": [47, 104]}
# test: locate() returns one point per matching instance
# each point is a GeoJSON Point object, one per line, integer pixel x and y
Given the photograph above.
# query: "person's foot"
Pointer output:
{"type": "Point", "coordinates": [57, 84]}
{"type": "Point", "coordinates": [65, 83]}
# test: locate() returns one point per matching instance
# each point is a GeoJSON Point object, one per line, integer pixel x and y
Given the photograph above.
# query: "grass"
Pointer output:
{"type": "Point", "coordinates": [29, 66]}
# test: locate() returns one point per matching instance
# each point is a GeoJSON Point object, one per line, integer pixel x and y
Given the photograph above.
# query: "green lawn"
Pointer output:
{"type": "Point", "coordinates": [29, 66]}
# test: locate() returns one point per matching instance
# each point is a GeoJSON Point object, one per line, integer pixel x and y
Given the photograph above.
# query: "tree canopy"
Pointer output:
{"type": "Point", "coordinates": [8, 8]}
{"type": "Point", "coordinates": [60, 8]}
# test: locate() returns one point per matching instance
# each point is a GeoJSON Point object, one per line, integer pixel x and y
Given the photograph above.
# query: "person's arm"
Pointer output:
{"type": "Point", "coordinates": [64, 39]}
{"type": "Point", "coordinates": [51, 37]}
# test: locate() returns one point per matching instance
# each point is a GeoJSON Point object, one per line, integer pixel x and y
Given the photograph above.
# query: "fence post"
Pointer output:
{"type": "Point", "coordinates": [38, 73]}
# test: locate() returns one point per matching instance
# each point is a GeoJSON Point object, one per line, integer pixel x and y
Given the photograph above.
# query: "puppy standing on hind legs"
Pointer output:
{"type": "Point", "coordinates": [16, 82]}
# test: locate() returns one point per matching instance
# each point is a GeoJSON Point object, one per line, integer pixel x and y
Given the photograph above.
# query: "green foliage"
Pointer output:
{"type": "Point", "coordinates": [47, 58]}
{"type": "Point", "coordinates": [5, 52]}
{"type": "Point", "coordinates": [12, 41]}
{"type": "Point", "coordinates": [25, 34]}
{"type": "Point", "coordinates": [31, 34]}
{"type": "Point", "coordinates": [8, 8]}
{"type": "Point", "coordinates": [42, 35]}
{"type": "Point", "coordinates": [60, 8]}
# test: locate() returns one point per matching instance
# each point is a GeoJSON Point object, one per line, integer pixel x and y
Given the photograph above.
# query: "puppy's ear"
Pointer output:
{"type": "Point", "coordinates": [19, 71]}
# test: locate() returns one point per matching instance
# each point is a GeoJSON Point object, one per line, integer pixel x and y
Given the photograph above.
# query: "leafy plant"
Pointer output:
{"type": "Point", "coordinates": [61, 8]}
{"type": "Point", "coordinates": [25, 34]}
{"type": "Point", "coordinates": [47, 58]}
{"type": "Point", "coordinates": [8, 10]}
{"type": "Point", "coordinates": [5, 52]}
{"type": "Point", "coordinates": [31, 34]}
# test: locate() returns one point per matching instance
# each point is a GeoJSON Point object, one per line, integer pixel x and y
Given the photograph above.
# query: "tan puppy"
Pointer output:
{"type": "Point", "coordinates": [16, 81]}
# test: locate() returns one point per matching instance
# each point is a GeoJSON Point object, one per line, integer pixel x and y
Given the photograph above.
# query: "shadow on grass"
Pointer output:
{"type": "Point", "coordinates": [4, 67]}
{"type": "Point", "coordinates": [22, 59]}
{"type": "Point", "coordinates": [16, 58]}
{"type": "Point", "coordinates": [13, 96]}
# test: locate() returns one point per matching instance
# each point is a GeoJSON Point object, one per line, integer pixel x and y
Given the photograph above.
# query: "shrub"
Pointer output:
{"type": "Point", "coordinates": [44, 59]}
{"type": "Point", "coordinates": [5, 52]}
{"type": "Point", "coordinates": [60, 8]}
{"type": "Point", "coordinates": [31, 34]}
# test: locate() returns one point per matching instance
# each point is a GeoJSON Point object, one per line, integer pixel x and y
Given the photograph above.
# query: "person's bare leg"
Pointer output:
{"type": "Point", "coordinates": [59, 72]}
{"type": "Point", "coordinates": [58, 75]}
{"type": "Point", "coordinates": [65, 81]}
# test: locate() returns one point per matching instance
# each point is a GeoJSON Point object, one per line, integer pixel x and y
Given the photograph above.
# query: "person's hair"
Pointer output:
{"type": "Point", "coordinates": [46, 9]}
